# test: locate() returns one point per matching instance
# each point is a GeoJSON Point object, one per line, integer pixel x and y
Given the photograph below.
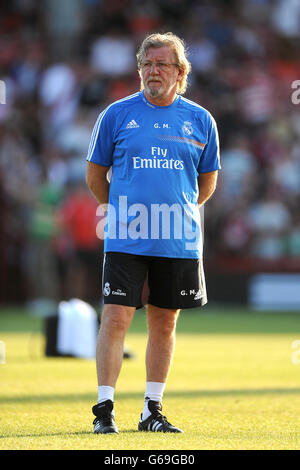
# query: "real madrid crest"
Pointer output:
{"type": "Point", "coordinates": [106, 289]}
{"type": "Point", "coordinates": [187, 128]}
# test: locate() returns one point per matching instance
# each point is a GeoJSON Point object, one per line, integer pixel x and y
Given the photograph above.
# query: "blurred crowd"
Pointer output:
{"type": "Point", "coordinates": [62, 62]}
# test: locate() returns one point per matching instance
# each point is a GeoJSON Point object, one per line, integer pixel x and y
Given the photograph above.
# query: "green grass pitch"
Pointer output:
{"type": "Point", "coordinates": [233, 385]}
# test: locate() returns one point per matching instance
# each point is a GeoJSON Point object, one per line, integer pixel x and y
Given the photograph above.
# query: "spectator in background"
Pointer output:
{"type": "Point", "coordinates": [113, 54]}
{"type": "Point", "coordinates": [57, 166]}
{"type": "Point", "coordinates": [256, 96]}
{"type": "Point", "coordinates": [28, 69]}
{"type": "Point", "coordinates": [237, 231]}
{"type": "Point", "coordinates": [20, 170]}
{"type": "Point", "coordinates": [270, 221]}
{"type": "Point", "coordinates": [40, 255]}
{"type": "Point", "coordinates": [286, 175]}
{"type": "Point", "coordinates": [73, 138]}
{"type": "Point", "coordinates": [239, 168]}
{"type": "Point", "coordinates": [293, 238]}
{"type": "Point", "coordinates": [58, 95]}
{"type": "Point", "coordinates": [203, 53]}
{"type": "Point", "coordinates": [79, 248]}
{"type": "Point", "coordinates": [286, 17]}
{"type": "Point", "coordinates": [143, 17]}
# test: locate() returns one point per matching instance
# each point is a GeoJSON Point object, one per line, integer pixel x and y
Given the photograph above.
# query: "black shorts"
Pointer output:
{"type": "Point", "coordinates": [171, 283]}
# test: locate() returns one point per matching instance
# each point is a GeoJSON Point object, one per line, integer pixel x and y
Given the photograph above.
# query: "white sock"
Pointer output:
{"type": "Point", "coordinates": [106, 393]}
{"type": "Point", "coordinates": [154, 391]}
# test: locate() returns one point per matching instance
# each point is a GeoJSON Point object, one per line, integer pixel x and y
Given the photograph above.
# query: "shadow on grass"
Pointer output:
{"type": "Point", "coordinates": [208, 320]}
{"type": "Point", "coordinates": [65, 434]}
{"type": "Point", "coordinates": [49, 434]}
{"type": "Point", "coordinates": [90, 397]}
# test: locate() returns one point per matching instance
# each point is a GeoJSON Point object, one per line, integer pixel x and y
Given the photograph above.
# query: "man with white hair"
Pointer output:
{"type": "Point", "coordinates": [163, 151]}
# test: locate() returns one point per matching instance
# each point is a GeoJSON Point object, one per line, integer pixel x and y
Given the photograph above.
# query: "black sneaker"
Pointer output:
{"type": "Point", "coordinates": [156, 422]}
{"type": "Point", "coordinates": [104, 423]}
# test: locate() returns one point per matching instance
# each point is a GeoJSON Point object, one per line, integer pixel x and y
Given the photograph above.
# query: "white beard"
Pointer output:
{"type": "Point", "coordinates": [154, 92]}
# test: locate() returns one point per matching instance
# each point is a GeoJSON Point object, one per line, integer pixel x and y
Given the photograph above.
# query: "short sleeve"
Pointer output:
{"type": "Point", "coordinates": [101, 146]}
{"type": "Point", "coordinates": [210, 158]}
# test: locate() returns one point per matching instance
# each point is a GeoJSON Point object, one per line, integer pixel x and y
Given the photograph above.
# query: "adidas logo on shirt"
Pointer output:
{"type": "Point", "coordinates": [132, 124]}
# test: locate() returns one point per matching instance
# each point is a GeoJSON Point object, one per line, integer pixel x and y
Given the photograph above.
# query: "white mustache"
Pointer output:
{"type": "Point", "coordinates": [151, 79]}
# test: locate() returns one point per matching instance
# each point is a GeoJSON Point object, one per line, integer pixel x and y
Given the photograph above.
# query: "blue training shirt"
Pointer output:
{"type": "Point", "coordinates": [156, 154]}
